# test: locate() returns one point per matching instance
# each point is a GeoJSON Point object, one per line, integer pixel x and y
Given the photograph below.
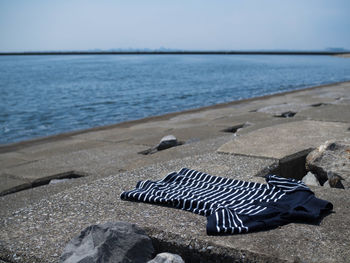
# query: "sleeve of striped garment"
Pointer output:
{"type": "Point", "coordinates": [297, 203]}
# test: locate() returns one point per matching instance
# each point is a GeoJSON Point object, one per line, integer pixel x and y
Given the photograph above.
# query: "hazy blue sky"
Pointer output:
{"type": "Point", "coordinates": [29, 25]}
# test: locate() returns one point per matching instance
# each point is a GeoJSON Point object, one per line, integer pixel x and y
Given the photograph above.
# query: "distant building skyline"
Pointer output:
{"type": "Point", "coordinates": [79, 25]}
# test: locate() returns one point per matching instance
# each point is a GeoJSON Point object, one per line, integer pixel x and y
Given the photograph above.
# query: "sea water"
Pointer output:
{"type": "Point", "coordinates": [46, 95]}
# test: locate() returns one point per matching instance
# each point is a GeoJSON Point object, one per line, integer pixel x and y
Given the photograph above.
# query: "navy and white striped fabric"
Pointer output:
{"type": "Point", "coordinates": [232, 206]}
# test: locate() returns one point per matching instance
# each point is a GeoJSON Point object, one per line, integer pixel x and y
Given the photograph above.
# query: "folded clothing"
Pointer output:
{"type": "Point", "coordinates": [233, 206]}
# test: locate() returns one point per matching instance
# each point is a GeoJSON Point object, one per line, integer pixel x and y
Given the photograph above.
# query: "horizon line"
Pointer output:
{"type": "Point", "coordinates": [181, 52]}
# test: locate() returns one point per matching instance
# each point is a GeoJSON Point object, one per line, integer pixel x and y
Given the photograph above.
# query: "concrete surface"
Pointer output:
{"type": "Point", "coordinates": [37, 223]}
{"type": "Point", "coordinates": [46, 226]}
{"type": "Point", "coordinates": [335, 113]}
{"type": "Point", "coordinates": [285, 139]}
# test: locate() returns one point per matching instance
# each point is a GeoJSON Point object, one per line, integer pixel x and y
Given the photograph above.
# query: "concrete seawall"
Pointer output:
{"type": "Point", "coordinates": [243, 140]}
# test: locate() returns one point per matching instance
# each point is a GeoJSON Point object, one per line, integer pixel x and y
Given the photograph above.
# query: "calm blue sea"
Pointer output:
{"type": "Point", "coordinates": [45, 95]}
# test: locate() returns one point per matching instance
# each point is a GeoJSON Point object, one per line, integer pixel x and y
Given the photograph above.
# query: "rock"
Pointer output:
{"type": "Point", "coordinates": [310, 179]}
{"type": "Point", "coordinates": [167, 258]}
{"type": "Point", "coordinates": [109, 242]}
{"type": "Point", "coordinates": [167, 142]}
{"type": "Point", "coordinates": [331, 161]}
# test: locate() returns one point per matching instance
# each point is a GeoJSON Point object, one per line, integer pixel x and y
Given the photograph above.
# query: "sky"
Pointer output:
{"type": "Point", "coordinates": [42, 25]}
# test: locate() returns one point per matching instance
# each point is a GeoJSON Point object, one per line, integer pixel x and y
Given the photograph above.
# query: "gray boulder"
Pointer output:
{"type": "Point", "coordinates": [331, 161]}
{"type": "Point", "coordinates": [167, 258]}
{"type": "Point", "coordinates": [311, 179]}
{"type": "Point", "coordinates": [167, 142]}
{"type": "Point", "coordinates": [109, 242]}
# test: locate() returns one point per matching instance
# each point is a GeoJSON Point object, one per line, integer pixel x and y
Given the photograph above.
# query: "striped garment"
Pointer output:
{"type": "Point", "coordinates": [232, 206]}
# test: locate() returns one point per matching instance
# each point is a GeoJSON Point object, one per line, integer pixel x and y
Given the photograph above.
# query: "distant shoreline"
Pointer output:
{"type": "Point", "coordinates": [318, 53]}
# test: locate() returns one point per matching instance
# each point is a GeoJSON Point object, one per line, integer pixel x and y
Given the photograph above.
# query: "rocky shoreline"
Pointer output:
{"type": "Point", "coordinates": [243, 140]}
